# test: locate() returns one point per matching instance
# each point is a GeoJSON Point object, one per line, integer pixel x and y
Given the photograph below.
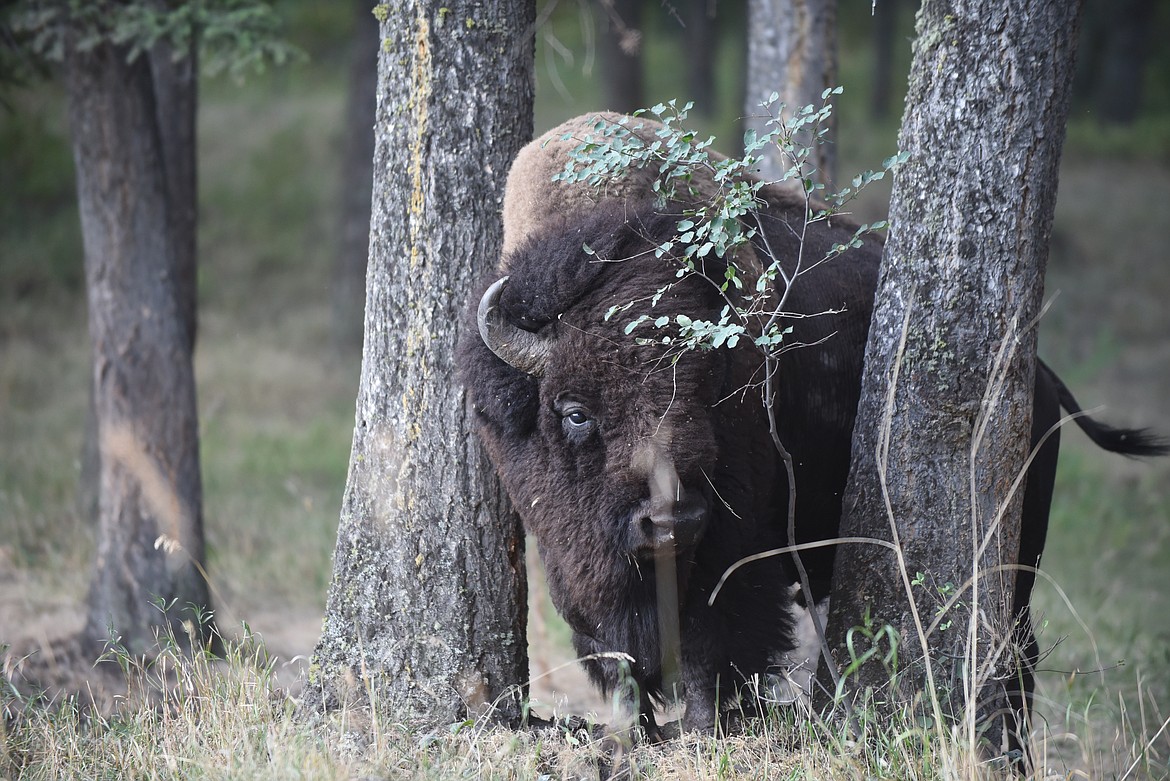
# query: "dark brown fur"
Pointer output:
{"type": "Point", "coordinates": [579, 501]}
{"type": "Point", "coordinates": [577, 497]}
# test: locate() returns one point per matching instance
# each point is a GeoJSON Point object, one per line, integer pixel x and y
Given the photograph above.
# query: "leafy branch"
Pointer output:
{"type": "Point", "coordinates": [231, 35]}
{"type": "Point", "coordinates": [722, 223]}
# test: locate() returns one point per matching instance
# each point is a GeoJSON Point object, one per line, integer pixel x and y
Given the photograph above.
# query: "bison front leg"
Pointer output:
{"type": "Point", "coordinates": [647, 721]}
{"type": "Point", "coordinates": [701, 708]}
{"type": "Point", "coordinates": [700, 679]}
{"type": "Point", "coordinates": [633, 712]}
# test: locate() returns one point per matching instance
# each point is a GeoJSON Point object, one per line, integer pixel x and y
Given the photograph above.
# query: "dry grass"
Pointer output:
{"type": "Point", "coordinates": [228, 719]}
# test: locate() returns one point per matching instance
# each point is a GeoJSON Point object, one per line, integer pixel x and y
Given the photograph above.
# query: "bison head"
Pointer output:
{"type": "Point", "coordinates": [624, 456]}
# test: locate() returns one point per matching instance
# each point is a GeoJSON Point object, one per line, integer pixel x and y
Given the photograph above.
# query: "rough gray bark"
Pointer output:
{"type": "Point", "coordinates": [357, 176]}
{"type": "Point", "coordinates": [792, 50]}
{"type": "Point", "coordinates": [150, 534]}
{"type": "Point", "coordinates": [426, 610]}
{"type": "Point", "coordinates": [943, 425]}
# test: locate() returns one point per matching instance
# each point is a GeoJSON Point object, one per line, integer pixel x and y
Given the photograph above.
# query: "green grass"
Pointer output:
{"type": "Point", "coordinates": [1109, 553]}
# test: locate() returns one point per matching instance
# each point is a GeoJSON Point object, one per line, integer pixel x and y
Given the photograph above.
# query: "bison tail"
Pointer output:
{"type": "Point", "coordinates": [1136, 442]}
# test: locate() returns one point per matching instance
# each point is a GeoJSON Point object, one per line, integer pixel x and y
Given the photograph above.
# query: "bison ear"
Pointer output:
{"type": "Point", "coordinates": [520, 349]}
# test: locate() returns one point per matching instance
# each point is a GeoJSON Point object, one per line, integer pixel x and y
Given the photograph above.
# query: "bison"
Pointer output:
{"type": "Point", "coordinates": [644, 473]}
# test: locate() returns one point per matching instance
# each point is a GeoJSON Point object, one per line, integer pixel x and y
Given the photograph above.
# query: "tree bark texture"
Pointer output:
{"type": "Point", "coordinates": [357, 176]}
{"type": "Point", "coordinates": [792, 51]}
{"type": "Point", "coordinates": [150, 529]}
{"type": "Point", "coordinates": [176, 93]}
{"type": "Point", "coordinates": [426, 609]}
{"type": "Point", "coordinates": [176, 85]}
{"type": "Point", "coordinates": [943, 425]}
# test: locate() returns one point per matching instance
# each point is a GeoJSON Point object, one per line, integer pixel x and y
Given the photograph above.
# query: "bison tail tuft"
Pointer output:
{"type": "Point", "coordinates": [1134, 442]}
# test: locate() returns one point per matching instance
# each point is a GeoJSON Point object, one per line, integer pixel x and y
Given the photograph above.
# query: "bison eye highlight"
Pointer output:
{"type": "Point", "coordinates": [577, 418]}
{"type": "Point", "coordinates": [577, 422]}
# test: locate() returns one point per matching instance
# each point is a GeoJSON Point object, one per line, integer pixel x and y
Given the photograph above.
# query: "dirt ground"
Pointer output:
{"type": "Point", "coordinates": [42, 625]}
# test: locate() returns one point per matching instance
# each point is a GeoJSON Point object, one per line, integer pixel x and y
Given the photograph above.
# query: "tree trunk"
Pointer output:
{"type": "Point", "coordinates": [357, 176]}
{"type": "Point", "coordinates": [944, 420]}
{"type": "Point", "coordinates": [176, 83]}
{"type": "Point", "coordinates": [1127, 44]}
{"type": "Point", "coordinates": [620, 42]}
{"type": "Point", "coordinates": [702, 38]}
{"type": "Point", "coordinates": [150, 533]}
{"type": "Point", "coordinates": [885, 26]}
{"type": "Point", "coordinates": [176, 93]}
{"type": "Point", "coordinates": [792, 51]}
{"type": "Point", "coordinates": [426, 610]}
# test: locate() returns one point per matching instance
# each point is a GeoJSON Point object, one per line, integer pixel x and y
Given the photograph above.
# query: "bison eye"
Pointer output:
{"type": "Point", "coordinates": [577, 417]}
{"type": "Point", "coordinates": [577, 422]}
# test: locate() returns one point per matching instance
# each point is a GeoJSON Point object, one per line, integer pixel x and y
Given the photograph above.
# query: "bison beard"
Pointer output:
{"type": "Point", "coordinates": [616, 455]}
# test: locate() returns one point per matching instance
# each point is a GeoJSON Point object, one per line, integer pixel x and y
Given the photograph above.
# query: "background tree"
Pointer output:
{"type": "Point", "coordinates": [702, 37]}
{"type": "Point", "coordinates": [944, 420]}
{"type": "Point", "coordinates": [619, 38]}
{"type": "Point", "coordinates": [885, 25]}
{"type": "Point", "coordinates": [357, 177]}
{"type": "Point", "coordinates": [150, 533]}
{"type": "Point", "coordinates": [174, 67]}
{"type": "Point", "coordinates": [1115, 51]}
{"type": "Point", "coordinates": [792, 51]}
{"type": "Point", "coordinates": [427, 604]}
{"type": "Point", "coordinates": [131, 76]}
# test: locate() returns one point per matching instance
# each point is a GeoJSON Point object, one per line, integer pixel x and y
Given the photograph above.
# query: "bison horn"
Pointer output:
{"type": "Point", "coordinates": [516, 347]}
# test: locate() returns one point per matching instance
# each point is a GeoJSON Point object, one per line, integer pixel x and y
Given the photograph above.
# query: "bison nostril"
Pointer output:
{"type": "Point", "coordinates": [661, 527]}
{"type": "Point", "coordinates": [647, 528]}
{"type": "Point", "coordinates": [665, 533]}
{"type": "Point", "coordinates": [657, 528]}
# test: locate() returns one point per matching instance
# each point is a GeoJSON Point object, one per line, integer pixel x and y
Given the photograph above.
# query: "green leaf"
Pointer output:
{"type": "Point", "coordinates": [634, 324]}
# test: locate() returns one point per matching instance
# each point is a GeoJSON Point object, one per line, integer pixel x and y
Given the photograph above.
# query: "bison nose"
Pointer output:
{"type": "Point", "coordinates": [667, 527]}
